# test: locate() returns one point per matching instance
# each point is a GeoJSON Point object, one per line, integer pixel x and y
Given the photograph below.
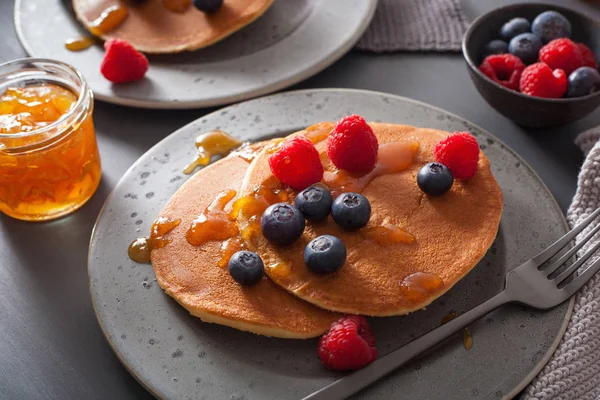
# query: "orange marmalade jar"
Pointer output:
{"type": "Point", "coordinates": [49, 161]}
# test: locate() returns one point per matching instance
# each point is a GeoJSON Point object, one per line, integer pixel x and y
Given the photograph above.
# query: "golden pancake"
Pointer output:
{"type": "Point", "coordinates": [451, 234]}
{"type": "Point", "coordinates": [191, 276]}
{"type": "Point", "coordinates": [152, 28]}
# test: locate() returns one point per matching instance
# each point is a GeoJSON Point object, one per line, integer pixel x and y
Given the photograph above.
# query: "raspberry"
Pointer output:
{"type": "Point", "coordinates": [459, 152]}
{"type": "Point", "coordinates": [562, 54]}
{"type": "Point", "coordinates": [352, 145]}
{"type": "Point", "coordinates": [587, 55]}
{"type": "Point", "coordinates": [297, 163]}
{"type": "Point", "coordinates": [349, 344]}
{"type": "Point", "coordinates": [540, 81]}
{"type": "Point", "coordinates": [122, 62]}
{"type": "Point", "coordinates": [504, 69]}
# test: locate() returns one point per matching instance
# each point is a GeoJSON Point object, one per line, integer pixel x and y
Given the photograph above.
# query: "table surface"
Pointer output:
{"type": "Point", "coordinates": [51, 346]}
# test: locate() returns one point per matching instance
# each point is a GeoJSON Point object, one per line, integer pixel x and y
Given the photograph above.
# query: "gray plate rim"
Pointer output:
{"type": "Point", "coordinates": [276, 85]}
{"type": "Point", "coordinates": [514, 392]}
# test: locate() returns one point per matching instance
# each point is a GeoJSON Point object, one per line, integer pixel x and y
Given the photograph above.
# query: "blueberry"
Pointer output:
{"type": "Point", "coordinates": [435, 179]}
{"type": "Point", "coordinates": [526, 46]}
{"type": "Point", "coordinates": [314, 202]}
{"type": "Point", "coordinates": [514, 27]}
{"type": "Point", "coordinates": [351, 210]}
{"type": "Point", "coordinates": [325, 254]}
{"type": "Point", "coordinates": [551, 25]}
{"type": "Point", "coordinates": [208, 6]}
{"type": "Point", "coordinates": [282, 223]}
{"type": "Point", "coordinates": [583, 81]}
{"type": "Point", "coordinates": [495, 47]}
{"type": "Point", "coordinates": [246, 268]}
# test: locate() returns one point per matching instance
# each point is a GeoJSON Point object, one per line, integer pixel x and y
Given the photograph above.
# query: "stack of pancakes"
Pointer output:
{"type": "Point", "coordinates": [151, 28]}
{"type": "Point", "coordinates": [452, 232]}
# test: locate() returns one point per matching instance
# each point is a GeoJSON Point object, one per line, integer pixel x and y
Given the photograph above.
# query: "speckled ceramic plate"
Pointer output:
{"type": "Point", "coordinates": [176, 356]}
{"type": "Point", "coordinates": [293, 40]}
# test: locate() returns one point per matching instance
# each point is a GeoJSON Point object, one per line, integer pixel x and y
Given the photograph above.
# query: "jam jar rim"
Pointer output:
{"type": "Point", "coordinates": [85, 95]}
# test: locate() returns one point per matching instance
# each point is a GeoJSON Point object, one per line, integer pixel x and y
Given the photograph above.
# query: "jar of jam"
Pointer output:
{"type": "Point", "coordinates": [49, 161]}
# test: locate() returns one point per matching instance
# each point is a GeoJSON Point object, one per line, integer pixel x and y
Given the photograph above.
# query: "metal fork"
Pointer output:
{"type": "Point", "coordinates": [537, 283]}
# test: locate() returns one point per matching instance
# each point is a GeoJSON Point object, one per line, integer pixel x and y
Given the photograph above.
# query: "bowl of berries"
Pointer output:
{"type": "Point", "coordinates": [535, 63]}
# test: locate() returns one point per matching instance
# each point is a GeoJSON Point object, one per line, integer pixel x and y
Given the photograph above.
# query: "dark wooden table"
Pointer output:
{"type": "Point", "coordinates": [51, 346]}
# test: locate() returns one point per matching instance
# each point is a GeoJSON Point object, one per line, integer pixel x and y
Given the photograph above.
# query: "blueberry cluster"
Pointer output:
{"type": "Point", "coordinates": [283, 224]}
{"type": "Point", "coordinates": [524, 39]}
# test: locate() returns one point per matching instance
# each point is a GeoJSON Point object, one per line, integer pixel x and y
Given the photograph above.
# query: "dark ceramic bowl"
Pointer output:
{"type": "Point", "coordinates": [522, 109]}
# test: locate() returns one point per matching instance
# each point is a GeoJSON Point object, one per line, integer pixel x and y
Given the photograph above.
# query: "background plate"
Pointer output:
{"type": "Point", "coordinates": [175, 355]}
{"type": "Point", "coordinates": [293, 40]}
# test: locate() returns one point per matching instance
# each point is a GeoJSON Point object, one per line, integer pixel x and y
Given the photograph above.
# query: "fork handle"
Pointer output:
{"type": "Point", "coordinates": [350, 384]}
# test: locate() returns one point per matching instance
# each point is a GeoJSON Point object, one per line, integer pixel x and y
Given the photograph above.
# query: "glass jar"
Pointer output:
{"type": "Point", "coordinates": [49, 161]}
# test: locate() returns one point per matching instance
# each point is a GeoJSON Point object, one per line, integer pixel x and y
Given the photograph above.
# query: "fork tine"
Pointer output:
{"type": "Point", "coordinates": [563, 275]}
{"type": "Point", "coordinates": [565, 240]}
{"type": "Point", "coordinates": [557, 264]}
{"type": "Point", "coordinates": [582, 279]}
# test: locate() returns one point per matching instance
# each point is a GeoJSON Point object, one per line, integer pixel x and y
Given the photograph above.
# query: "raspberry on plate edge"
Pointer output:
{"type": "Point", "coordinates": [349, 344]}
{"type": "Point", "coordinates": [122, 63]}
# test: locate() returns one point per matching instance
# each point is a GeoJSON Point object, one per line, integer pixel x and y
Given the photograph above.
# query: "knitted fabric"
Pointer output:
{"type": "Point", "coordinates": [573, 372]}
{"type": "Point", "coordinates": [415, 25]}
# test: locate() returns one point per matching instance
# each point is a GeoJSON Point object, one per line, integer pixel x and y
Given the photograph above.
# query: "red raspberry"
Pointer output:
{"type": "Point", "coordinates": [349, 344]}
{"type": "Point", "coordinates": [459, 152]}
{"type": "Point", "coordinates": [352, 145]}
{"type": "Point", "coordinates": [540, 81]}
{"type": "Point", "coordinates": [297, 163]}
{"type": "Point", "coordinates": [587, 55]}
{"type": "Point", "coordinates": [122, 62]}
{"type": "Point", "coordinates": [504, 69]}
{"type": "Point", "coordinates": [562, 54]}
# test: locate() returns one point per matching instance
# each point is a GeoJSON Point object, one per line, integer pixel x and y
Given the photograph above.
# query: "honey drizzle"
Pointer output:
{"type": "Point", "coordinates": [140, 249]}
{"type": "Point", "coordinates": [109, 20]}
{"type": "Point", "coordinates": [79, 44]}
{"type": "Point", "coordinates": [419, 286]}
{"type": "Point", "coordinates": [210, 144]}
{"type": "Point", "coordinates": [392, 158]}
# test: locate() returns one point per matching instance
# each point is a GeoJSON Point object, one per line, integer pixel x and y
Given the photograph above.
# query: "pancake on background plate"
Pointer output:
{"type": "Point", "coordinates": [152, 28]}
{"type": "Point", "coordinates": [451, 234]}
{"type": "Point", "coordinates": [191, 276]}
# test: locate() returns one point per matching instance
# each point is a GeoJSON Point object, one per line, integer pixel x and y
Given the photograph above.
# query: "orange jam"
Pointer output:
{"type": "Point", "coordinates": [280, 270]}
{"type": "Point", "coordinates": [139, 250]}
{"type": "Point", "coordinates": [49, 161]}
{"type": "Point", "coordinates": [418, 286]}
{"type": "Point", "coordinates": [228, 249]}
{"type": "Point", "coordinates": [388, 233]}
{"type": "Point", "coordinates": [248, 210]}
{"type": "Point", "coordinates": [467, 339]}
{"type": "Point", "coordinates": [209, 144]}
{"type": "Point", "coordinates": [318, 132]}
{"type": "Point", "coordinates": [392, 158]}
{"type": "Point", "coordinates": [449, 317]}
{"type": "Point", "coordinates": [214, 222]}
{"type": "Point", "coordinates": [79, 44]}
{"type": "Point", "coordinates": [109, 20]}
{"type": "Point", "coordinates": [177, 6]}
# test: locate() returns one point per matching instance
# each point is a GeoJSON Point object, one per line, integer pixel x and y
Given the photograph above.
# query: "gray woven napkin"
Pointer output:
{"type": "Point", "coordinates": [415, 25]}
{"type": "Point", "coordinates": [573, 372]}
